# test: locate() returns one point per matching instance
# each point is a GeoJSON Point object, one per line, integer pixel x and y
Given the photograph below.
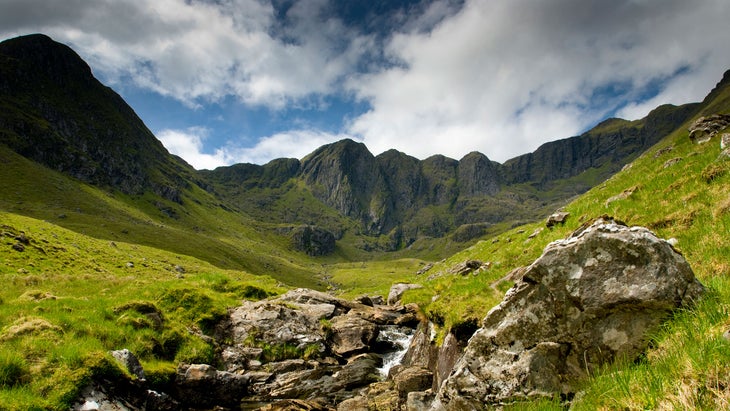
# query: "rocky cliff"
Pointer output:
{"type": "Point", "coordinates": [53, 111]}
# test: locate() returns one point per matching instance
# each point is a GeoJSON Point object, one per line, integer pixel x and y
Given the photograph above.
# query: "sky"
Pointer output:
{"type": "Point", "coordinates": [221, 82]}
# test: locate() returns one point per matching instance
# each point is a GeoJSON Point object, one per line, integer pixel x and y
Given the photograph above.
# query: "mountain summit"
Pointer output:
{"type": "Point", "coordinates": [55, 112]}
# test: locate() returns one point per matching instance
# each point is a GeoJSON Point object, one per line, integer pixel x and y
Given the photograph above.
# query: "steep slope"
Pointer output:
{"type": "Point", "coordinates": [73, 152]}
{"type": "Point", "coordinates": [55, 112]}
{"type": "Point", "coordinates": [394, 200]}
{"type": "Point", "coordinates": [679, 190]}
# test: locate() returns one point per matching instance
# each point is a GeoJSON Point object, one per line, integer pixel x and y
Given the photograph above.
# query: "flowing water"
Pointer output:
{"type": "Point", "coordinates": [400, 338]}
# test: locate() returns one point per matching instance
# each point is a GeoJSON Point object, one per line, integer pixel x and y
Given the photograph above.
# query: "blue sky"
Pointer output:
{"type": "Point", "coordinates": [228, 81]}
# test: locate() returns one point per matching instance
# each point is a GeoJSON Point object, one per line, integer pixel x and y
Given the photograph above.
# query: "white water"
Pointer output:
{"type": "Point", "coordinates": [400, 337]}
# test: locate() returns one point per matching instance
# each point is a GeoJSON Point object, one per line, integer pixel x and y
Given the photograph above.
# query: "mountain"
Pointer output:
{"type": "Point", "coordinates": [406, 199]}
{"type": "Point", "coordinates": [56, 113]}
{"type": "Point", "coordinates": [117, 244]}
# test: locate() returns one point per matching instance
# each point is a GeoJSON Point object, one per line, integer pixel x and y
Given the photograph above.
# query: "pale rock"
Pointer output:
{"type": "Point", "coordinates": [588, 300]}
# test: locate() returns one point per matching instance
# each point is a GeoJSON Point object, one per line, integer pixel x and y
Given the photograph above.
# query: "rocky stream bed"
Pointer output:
{"type": "Point", "coordinates": [587, 300]}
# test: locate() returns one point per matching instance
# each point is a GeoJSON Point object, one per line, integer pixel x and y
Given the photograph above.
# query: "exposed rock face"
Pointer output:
{"type": "Point", "coordinates": [587, 300]}
{"type": "Point", "coordinates": [66, 119]}
{"type": "Point", "coordinates": [314, 241]}
{"type": "Point", "coordinates": [704, 128]}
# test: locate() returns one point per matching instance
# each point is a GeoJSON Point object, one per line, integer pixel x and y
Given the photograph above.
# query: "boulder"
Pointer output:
{"type": "Point", "coordinates": [397, 290]}
{"type": "Point", "coordinates": [201, 385]}
{"type": "Point", "coordinates": [352, 334]}
{"type": "Point", "coordinates": [277, 323]}
{"type": "Point", "coordinates": [410, 379]}
{"type": "Point", "coordinates": [556, 218]}
{"type": "Point", "coordinates": [419, 400]}
{"type": "Point", "coordinates": [588, 300]}
{"type": "Point", "coordinates": [704, 128]}
{"type": "Point", "coordinates": [296, 405]}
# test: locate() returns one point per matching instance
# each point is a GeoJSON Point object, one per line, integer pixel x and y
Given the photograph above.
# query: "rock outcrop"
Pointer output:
{"type": "Point", "coordinates": [314, 241]}
{"type": "Point", "coordinates": [704, 128]}
{"type": "Point", "coordinates": [588, 300]}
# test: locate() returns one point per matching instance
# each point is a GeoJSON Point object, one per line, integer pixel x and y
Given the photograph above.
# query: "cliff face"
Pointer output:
{"type": "Point", "coordinates": [612, 143]}
{"type": "Point", "coordinates": [55, 112]}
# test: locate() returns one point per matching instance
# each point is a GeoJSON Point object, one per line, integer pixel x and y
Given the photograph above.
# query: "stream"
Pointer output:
{"type": "Point", "coordinates": [398, 337]}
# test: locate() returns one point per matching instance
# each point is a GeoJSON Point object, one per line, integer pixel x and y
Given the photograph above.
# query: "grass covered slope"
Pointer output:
{"type": "Point", "coordinates": [677, 189]}
{"type": "Point", "coordinates": [67, 299]}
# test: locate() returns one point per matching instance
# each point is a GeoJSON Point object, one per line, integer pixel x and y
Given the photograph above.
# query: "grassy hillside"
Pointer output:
{"type": "Point", "coordinates": [677, 189]}
{"type": "Point", "coordinates": [67, 299]}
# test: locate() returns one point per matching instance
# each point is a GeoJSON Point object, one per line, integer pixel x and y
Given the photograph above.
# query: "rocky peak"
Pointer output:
{"type": "Point", "coordinates": [478, 175]}
{"type": "Point", "coordinates": [345, 175]}
{"type": "Point", "coordinates": [59, 115]}
{"type": "Point", "coordinates": [440, 175]}
{"type": "Point", "coordinates": [38, 55]}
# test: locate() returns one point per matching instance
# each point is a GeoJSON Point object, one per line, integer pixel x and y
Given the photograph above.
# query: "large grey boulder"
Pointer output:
{"type": "Point", "coordinates": [588, 300]}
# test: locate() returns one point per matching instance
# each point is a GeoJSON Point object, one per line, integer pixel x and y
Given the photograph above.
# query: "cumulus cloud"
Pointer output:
{"type": "Point", "coordinates": [199, 51]}
{"type": "Point", "coordinates": [188, 144]}
{"type": "Point", "coordinates": [503, 77]}
{"type": "Point", "coordinates": [436, 76]}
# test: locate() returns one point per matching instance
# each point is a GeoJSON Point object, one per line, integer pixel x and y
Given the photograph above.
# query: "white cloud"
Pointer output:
{"type": "Point", "coordinates": [198, 51]}
{"type": "Point", "coordinates": [502, 77]}
{"type": "Point", "coordinates": [498, 76]}
{"type": "Point", "coordinates": [188, 144]}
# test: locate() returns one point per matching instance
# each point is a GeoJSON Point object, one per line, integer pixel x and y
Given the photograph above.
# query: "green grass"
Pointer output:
{"type": "Point", "coordinates": [688, 366]}
{"type": "Point", "coordinates": [68, 299]}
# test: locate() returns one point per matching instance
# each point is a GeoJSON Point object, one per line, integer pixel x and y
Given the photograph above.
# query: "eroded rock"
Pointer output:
{"type": "Point", "coordinates": [704, 128]}
{"type": "Point", "coordinates": [556, 218]}
{"type": "Point", "coordinates": [587, 300]}
{"type": "Point", "coordinates": [397, 290]}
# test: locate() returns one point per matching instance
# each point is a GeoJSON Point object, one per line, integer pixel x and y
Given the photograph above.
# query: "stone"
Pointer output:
{"type": "Point", "coordinates": [672, 162]}
{"type": "Point", "coordinates": [556, 218]}
{"type": "Point", "coordinates": [704, 128]}
{"type": "Point", "coordinates": [725, 141]}
{"type": "Point", "coordinates": [588, 300]}
{"type": "Point", "coordinates": [535, 233]}
{"type": "Point", "coordinates": [202, 386]}
{"type": "Point", "coordinates": [296, 405]}
{"type": "Point", "coordinates": [409, 379]}
{"type": "Point", "coordinates": [419, 400]}
{"type": "Point", "coordinates": [662, 151]}
{"type": "Point", "coordinates": [449, 352]}
{"type": "Point", "coordinates": [622, 195]}
{"type": "Point", "coordinates": [397, 290]}
{"type": "Point", "coordinates": [18, 247]}
{"type": "Point", "coordinates": [467, 267]}
{"type": "Point", "coordinates": [130, 362]}
{"type": "Point", "coordinates": [359, 403]}
{"type": "Point", "coordinates": [352, 334]}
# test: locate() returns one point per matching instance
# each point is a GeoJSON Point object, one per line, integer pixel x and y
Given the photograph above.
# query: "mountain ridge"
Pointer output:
{"type": "Point", "coordinates": [70, 122]}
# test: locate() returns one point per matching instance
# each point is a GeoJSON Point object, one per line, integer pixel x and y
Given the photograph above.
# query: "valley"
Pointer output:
{"type": "Point", "coordinates": [100, 227]}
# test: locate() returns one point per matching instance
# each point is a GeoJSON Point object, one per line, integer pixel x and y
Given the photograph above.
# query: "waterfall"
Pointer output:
{"type": "Point", "coordinates": [399, 338]}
